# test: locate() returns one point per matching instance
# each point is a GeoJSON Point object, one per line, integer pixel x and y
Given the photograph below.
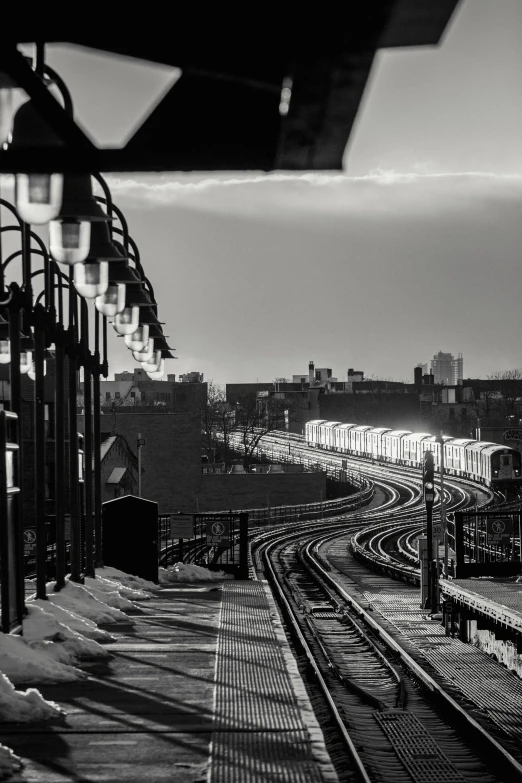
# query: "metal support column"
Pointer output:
{"type": "Point", "coordinates": [39, 452]}
{"type": "Point", "coordinates": [59, 459]}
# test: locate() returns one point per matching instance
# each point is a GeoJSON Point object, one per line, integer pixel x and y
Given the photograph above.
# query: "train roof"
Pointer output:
{"type": "Point", "coordinates": [480, 445]}
{"type": "Point", "coordinates": [418, 436]}
{"type": "Point", "coordinates": [463, 441]}
{"type": "Point", "coordinates": [436, 438]}
{"type": "Point", "coordinates": [493, 447]}
{"type": "Point", "coordinates": [330, 423]}
{"type": "Point", "coordinates": [380, 430]}
{"type": "Point", "coordinates": [346, 426]}
{"type": "Point", "coordinates": [316, 421]}
{"type": "Point", "coordinates": [399, 433]}
{"type": "Point", "coordinates": [362, 428]}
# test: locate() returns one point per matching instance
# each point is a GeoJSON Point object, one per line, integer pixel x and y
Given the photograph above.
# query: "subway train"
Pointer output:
{"type": "Point", "coordinates": [488, 463]}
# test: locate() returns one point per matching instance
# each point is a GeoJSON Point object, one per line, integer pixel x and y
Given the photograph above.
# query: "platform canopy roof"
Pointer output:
{"type": "Point", "coordinates": [224, 112]}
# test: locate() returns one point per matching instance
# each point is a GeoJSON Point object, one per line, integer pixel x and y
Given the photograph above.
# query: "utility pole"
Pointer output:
{"type": "Point", "coordinates": [443, 505]}
{"type": "Point", "coordinates": [140, 443]}
{"type": "Point", "coordinates": [429, 496]}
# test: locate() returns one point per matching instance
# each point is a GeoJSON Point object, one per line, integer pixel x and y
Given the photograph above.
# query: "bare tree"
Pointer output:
{"type": "Point", "coordinates": [216, 417]}
{"type": "Point", "coordinates": [257, 416]}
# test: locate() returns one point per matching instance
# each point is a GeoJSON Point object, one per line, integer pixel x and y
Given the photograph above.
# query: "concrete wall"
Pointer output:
{"type": "Point", "coordinates": [224, 491]}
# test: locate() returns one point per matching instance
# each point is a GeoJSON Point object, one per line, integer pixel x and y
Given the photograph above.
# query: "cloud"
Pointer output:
{"type": "Point", "coordinates": [288, 195]}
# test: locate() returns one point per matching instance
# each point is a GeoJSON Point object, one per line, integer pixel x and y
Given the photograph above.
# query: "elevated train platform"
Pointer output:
{"type": "Point", "coordinates": [202, 686]}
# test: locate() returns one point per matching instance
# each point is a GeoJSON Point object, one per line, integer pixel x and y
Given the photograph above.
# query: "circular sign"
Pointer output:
{"type": "Point", "coordinates": [29, 536]}
{"type": "Point", "coordinates": [218, 528]}
{"type": "Point", "coordinates": [498, 526]}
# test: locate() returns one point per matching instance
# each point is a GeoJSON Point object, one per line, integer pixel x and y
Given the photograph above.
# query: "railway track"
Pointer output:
{"type": "Point", "coordinates": [385, 718]}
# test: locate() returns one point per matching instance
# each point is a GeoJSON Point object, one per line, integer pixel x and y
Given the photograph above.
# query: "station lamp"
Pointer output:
{"type": "Point", "coordinates": [5, 345]}
{"type": "Point", "coordinates": [70, 233]}
{"type": "Point", "coordinates": [38, 196]}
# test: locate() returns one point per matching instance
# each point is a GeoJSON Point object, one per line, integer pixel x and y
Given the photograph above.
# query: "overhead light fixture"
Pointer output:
{"type": "Point", "coordinates": [5, 345]}
{"type": "Point", "coordinates": [112, 301]}
{"type": "Point", "coordinates": [159, 373]}
{"type": "Point", "coordinates": [127, 321]}
{"type": "Point", "coordinates": [146, 353]}
{"type": "Point", "coordinates": [38, 196]}
{"type": "Point", "coordinates": [139, 339]}
{"type": "Point", "coordinates": [73, 236]}
{"type": "Point", "coordinates": [91, 280]}
{"type": "Point", "coordinates": [32, 370]}
{"type": "Point", "coordinates": [153, 365]}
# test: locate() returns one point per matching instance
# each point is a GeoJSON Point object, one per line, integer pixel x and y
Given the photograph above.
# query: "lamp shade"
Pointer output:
{"type": "Point", "coordinates": [102, 248]}
{"type": "Point", "coordinates": [26, 361]}
{"type": "Point", "coordinates": [38, 197]}
{"type": "Point", "coordinates": [148, 316]}
{"type": "Point", "coordinates": [112, 301]}
{"type": "Point", "coordinates": [78, 202]}
{"type": "Point", "coordinates": [138, 340]}
{"type": "Point", "coordinates": [153, 364]}
{"type": "Point", "coordinates": [5, 345]}
{"type": "Point", "coordinates": [91, 279]}
{"type": "Point", "coordinates": [147, 352]}
{"type": "Point", "coordinates": [127, 321]}
{"type": "Point", "coordinates": [159, 373]}
{"type": "Point", "coordinates": [69, 240]}
{"type": "Point", "coordinates": [121, 272]}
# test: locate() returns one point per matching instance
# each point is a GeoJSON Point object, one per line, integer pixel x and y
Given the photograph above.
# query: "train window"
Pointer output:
{"type": "Point", "coordinates": [506, 461]}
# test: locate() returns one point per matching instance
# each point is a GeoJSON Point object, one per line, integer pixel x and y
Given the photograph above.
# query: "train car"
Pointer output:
{"type": "Point", "coordinates": [500, 466]}
{"type": "Point", "coordinates": [455, 455]}
{"type": "Point", "coordinates": [473, 459]}
{"type": "Point", "coordinates": [357, 438]}
{"type": "Point", "coordinates": [412, 452]}
{"type": "Point", "coordinates": [432, 443]}
{"type": "Point", "coordinates": [312, 431]}
{"type": "Point", "coordinates": [341, 437]}
{"type": "Point", "coordinates": [326, 434]}
{"type": "Point", "coordinates": [391, 443]}
{"type": "Point", "coordinates": [374, 441]}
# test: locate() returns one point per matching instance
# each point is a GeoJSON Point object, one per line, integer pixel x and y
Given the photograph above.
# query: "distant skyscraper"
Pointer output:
{"type": "Point", "coordinates": [446, 369]}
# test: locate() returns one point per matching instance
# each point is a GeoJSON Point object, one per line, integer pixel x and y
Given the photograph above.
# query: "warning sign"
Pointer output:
{"type": "Point", "coordinates": [218, 533]}
{"type": "Point", "coordinates": [29, 541]}
{"type": "Point", "coordinates": [182, 526]}
{"type": "Point", "coordinates": [499, 530]}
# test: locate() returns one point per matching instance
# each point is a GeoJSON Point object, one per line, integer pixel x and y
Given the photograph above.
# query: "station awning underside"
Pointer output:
{"type": "Point", "coordinates": [223, 114]}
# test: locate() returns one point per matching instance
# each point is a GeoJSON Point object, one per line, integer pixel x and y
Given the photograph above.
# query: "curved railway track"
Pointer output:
{"type": "Point", "coordinates": [386, 719]}
{"type": "Point", "coordinates": [385, 716]}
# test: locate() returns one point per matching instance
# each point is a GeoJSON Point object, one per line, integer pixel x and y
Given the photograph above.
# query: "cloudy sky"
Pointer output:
{"type": "Point", "coordinates": [415, 248]}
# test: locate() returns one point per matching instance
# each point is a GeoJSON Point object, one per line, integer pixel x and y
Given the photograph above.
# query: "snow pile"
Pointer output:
{"type": "Point", "coordinates": [24, 706]}
{"type": "Point", "coordinates": [9, 763]}
{"type": "Point", "coordinates": [109, 593]}
{"type": "Point", "coordinates": [73, 621]}
{"type": "Point", "coordinates": [128, 592]}
{"type": "Point", "coordinates": [68, 646]}
{"type": "Point", "coordinates": [188, 572]}
{"type": "Point", "coordinates": [23, 665]}
{"type": "Point", "coordinates": [80, 600]}
{"type": "Point", "coordinates": [127, 580]}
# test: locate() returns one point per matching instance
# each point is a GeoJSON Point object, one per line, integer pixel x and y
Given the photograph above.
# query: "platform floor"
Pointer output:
{"type": "Point", "coordinates": [202, 687]}
{"type": "Point", "coordinates": [499, 598]}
